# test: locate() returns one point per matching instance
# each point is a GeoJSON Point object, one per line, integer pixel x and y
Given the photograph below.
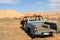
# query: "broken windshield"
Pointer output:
{"type": "Point", "coordinates": [36, 18]}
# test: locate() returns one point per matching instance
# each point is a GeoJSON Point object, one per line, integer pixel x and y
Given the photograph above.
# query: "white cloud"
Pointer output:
{"type": "Point", "coordinates": [54, 1]}
{"type": "Point", "coordinates": [54, 5]}
{"type": "Point", "coordinates": [38, 2]}
{"type": "Point", "coordinates": [9, 1]}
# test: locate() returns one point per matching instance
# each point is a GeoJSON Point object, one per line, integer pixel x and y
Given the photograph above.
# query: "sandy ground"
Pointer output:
{"type": "Point", "coordinates": [10, 30]}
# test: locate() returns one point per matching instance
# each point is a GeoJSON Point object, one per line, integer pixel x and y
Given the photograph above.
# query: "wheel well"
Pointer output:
{"type": "Point", "coordinates": [22, 22]}
{"type": "Point", "coordinates": [29, 30]}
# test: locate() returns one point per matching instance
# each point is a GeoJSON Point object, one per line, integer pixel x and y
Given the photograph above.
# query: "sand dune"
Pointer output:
{"type": "Point", "coordinates": [16, 14]}
{"type": "Point", "coordinates": [44, 14]}
{"type": "Point", "coordinates": [10, 14]}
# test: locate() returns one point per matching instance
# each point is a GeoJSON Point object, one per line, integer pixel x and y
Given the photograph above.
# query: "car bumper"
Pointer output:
{"type": "Point", "coordinates": [45, 33]}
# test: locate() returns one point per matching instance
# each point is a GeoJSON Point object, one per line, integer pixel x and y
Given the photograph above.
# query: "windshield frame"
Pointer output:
{"type": "Point", "coordinates": [35, 18]}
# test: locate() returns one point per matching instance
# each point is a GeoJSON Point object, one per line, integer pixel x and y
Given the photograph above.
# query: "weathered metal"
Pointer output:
{"type": "Point", "coordinates": [35, 25]}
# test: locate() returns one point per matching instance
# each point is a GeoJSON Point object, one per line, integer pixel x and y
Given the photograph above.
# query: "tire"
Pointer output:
{"type": "Point", "coordinates": [29, 30]}
{"type": "Point", "coordinates": [33, 36]}
{"type": "Point", "coordinates": [51, 35]}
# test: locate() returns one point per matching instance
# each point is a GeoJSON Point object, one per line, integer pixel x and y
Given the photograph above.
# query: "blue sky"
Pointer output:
{"type": "Point", "coordinates": [31, 5]}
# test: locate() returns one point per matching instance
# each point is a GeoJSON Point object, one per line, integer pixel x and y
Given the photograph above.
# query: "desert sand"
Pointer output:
{"type": "Point", "coordinates": [44, 14]}
{"type": "Point", "coordinates": [17, 14]}
{"type": "Point", "coordinates": [10, 14]}
{"type": "Point", "coordinates": [10, 29]}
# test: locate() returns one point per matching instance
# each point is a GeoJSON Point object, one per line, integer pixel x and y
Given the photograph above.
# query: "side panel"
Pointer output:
{"type": "Point", "coordinates": [31, 27]}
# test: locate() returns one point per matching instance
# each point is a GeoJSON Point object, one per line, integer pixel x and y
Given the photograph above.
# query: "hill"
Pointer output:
{"type": "Point", "coordinates": [44, 14]}
{"type": "Point", "coordinates": [10, 14]}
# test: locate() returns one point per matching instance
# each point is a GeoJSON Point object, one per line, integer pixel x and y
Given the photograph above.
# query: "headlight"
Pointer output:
{"type": "Point", "coordinates": [35, 29]}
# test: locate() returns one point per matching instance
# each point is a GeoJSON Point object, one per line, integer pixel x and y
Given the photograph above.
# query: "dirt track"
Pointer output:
{"type": "Point", "coordinates": [10, 30]}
